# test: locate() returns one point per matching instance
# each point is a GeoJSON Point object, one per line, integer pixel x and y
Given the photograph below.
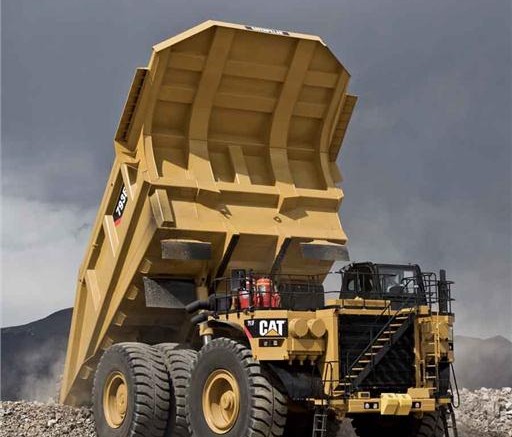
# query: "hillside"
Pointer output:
{"type": "Point", "coordinates": [33, 357]}
{"type": "Point", "coordinates": [483, 363]}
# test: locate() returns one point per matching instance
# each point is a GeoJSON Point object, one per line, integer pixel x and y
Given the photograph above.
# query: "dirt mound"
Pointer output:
{"type": "Point", "coordinates": [35, 419]}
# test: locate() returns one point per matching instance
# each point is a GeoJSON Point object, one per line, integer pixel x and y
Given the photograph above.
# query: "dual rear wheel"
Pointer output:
{"type": "Point", "coordinates": [131, 392]}
{"type": "Point", "coordinates": [156, 391]}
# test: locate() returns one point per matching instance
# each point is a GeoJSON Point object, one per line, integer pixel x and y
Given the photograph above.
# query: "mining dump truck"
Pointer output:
{"type": "Point", "coordinates": [200, 306]}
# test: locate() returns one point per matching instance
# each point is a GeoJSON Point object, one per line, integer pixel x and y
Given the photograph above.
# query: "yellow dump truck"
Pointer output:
{"type": "Point", "coordinates": [200, 309]}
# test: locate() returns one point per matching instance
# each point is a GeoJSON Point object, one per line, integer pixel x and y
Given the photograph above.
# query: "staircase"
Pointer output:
{"type": "Point", "coordinates": [431, 370]}
{"type": "Point", "coordinates": [320, 421]}
{"type": "Point", "coordinates": [377, 348]}
{"type": "Point", "coordinates": [449, 422]}
{"type": "Point", "coordinates": [320, 418]}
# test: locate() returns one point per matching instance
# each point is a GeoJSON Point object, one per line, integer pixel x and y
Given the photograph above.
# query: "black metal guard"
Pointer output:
{"type": "Point", "coordinates": [306, 292]}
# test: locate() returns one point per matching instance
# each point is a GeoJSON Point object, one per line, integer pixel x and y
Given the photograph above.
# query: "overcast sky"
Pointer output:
{"type": "Point", "coordinates": [427, 159]}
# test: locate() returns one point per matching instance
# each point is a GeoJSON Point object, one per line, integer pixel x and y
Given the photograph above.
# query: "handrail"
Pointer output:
{"type": "Point", "coordinates": [296, 288]}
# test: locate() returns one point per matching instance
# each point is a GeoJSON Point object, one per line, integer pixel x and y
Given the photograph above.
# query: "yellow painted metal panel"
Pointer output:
{"type": "Point", "coordinates": [404, 404]}
{"type": "Point", "coordinates": [389, 404]}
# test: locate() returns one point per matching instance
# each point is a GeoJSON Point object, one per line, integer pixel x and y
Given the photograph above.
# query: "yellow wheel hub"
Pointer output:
{"type": "Point", "coordinates": [115, 399]}
{"type": "Point", "coordinates": [221, 401]}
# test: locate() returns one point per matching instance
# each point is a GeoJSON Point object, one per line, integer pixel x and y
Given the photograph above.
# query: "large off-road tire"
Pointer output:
{"type": "Point", "coordinates": [232, 395]}
{"type": "Point", "coordinates": [179, 365]}
{"type": "Point", "coordinates": [430, 425]}
{"type": "Point", "coordinates": [131, 392]}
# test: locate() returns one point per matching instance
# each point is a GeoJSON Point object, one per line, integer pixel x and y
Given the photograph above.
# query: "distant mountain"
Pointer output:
{"type": "Point", "coordinates": [33, 359]}
{"type": "Point", "coordinates": [483, 363]}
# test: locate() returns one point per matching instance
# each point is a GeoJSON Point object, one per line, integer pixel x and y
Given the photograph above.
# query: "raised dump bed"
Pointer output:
{"type": "Point", "coordinates": [225, 159]}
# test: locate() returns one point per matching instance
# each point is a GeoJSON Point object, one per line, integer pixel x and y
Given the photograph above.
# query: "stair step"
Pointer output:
{"type": "Point", "coordinates": [364, 361]}
{"type": "Point", "coordinates": [383, 339]}
{"type": "Point", "coordinates": [320, 423]}
{"type": "Point", "coordinates": [357, 369]}
{"type": "Point", "coordinates": [395, 325]}
{"type": "Point", "coordinates": [377, 346]}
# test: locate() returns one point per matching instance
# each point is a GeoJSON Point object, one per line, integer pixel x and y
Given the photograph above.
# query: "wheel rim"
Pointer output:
{"type": "Point", "coordinates": [115, 399]}
{"type": "Point", "coordinates": [221, 401]}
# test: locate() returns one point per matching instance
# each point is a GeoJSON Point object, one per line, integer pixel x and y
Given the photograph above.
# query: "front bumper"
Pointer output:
{"type": "Point", "coordinates": [416, 400]}
{"type": "Point", "coordinates": [391, 404]}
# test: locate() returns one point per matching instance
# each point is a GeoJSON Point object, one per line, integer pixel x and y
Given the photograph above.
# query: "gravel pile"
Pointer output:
{"type": "Point", "coordinates": [483, 413]}
{"type": "Point", "coordinates": [36, 419]}
{"type": "Point", "coordinates": [486, 411]}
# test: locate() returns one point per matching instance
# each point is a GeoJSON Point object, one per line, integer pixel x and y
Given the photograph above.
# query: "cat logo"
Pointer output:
{"type": "Point", "coordinates": [271, 328]}
{"type": "Point", "coordinates": [255, 328]}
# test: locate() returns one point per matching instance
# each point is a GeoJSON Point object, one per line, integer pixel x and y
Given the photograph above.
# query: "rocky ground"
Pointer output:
{"type": "Point", "coordinates": [483, 413]}
{"type": "Point", "coordinates": [486, 412]}
{"type": "Point", "coordinates": [36, 419]}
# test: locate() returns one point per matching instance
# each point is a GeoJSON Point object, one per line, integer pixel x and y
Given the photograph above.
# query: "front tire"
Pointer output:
{"type": "Point", "coordinates": [131, 392]}
{"type": "Point", "coordinates": [232, 395]}
{"type": "Point", "coordinates": [431, 425]}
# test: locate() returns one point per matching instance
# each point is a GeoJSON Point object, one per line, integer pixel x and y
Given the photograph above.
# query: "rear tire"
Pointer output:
{"type": "Point", "coordinates": [232, 395]}
{"type": "Point", "coordinates": [179, 365]}
{"type": "Point", "coordinates": [131, 392]}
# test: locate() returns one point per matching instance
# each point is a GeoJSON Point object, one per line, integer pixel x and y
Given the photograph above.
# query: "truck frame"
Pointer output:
{"type": "Point", "coordinates": [201, 308]}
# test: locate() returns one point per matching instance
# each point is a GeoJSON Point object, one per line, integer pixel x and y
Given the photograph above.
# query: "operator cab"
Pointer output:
{"type": "Point", "coordinates": [395, 282]}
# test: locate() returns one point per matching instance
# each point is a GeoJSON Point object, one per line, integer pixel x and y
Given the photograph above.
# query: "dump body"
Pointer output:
{"type": "Point", "coordinates": [225, 159]}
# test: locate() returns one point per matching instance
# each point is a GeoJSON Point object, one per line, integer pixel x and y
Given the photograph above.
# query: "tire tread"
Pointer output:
{"type": "Point", "coordinates": [179, 365]}
{"type": "Point", "coordinates": [150, 387]}
{"type": "Point", "coordinates": [268, 404]}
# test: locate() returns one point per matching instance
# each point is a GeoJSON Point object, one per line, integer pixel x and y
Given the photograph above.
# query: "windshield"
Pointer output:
{"type": "Point", "coordinates": [398, 279]}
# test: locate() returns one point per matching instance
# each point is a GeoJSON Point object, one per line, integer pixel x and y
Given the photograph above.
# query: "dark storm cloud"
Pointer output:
{"type": "Point", "coordinates": [426, 162]}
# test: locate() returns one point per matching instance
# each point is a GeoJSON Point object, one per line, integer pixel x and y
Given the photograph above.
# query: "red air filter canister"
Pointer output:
{"type": "Point", "coordinates": [265, 290]}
